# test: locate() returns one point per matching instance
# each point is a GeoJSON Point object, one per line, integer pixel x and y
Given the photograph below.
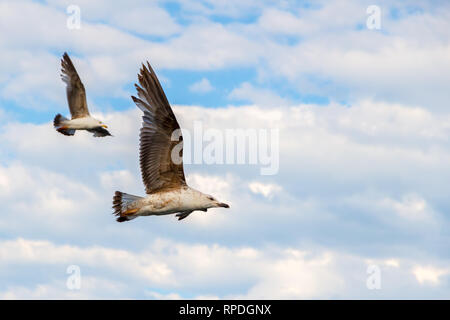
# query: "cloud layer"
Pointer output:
{"type": "Point", "coordinates": [340, 196]}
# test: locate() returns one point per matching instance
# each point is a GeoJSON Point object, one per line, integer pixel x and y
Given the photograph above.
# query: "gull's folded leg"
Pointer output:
{"type": "Point", "coordinates": [183, 214]}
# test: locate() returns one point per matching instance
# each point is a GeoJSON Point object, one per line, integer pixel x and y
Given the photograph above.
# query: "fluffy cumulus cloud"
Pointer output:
{"type": "Point", "coordinates": [363, 150]}
{"type": "Point", "coordinates": [201, 86]}
{"type": "Point", "coordinates": [319, 221]}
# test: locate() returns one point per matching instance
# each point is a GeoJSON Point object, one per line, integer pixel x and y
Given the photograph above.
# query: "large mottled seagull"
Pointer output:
{"type": "Point", "coordinates": [167, 191]}
{"type": "Point", "coordinates": [76, 97]}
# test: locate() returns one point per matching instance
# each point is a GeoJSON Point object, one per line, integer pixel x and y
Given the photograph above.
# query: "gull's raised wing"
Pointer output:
{"type": "Point", "coordinates": [158, 170]}
{"type": "Point", "coordinates": [76, 95]}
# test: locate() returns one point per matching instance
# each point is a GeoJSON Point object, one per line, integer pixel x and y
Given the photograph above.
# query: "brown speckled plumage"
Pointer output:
{"type": "Point", "coordinates": [76, 94]}
{"type": "Point", "coordinates": [158, 170]}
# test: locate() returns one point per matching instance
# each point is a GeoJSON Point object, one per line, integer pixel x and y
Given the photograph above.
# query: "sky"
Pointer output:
{"type": "Point", "coordinates": [358, 209]}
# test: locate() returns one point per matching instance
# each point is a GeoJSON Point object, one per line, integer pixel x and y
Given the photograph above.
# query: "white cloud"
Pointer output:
{"type": "Point", "coordinates": [326, 175]}
{"type": "Point", "coordinates": [267, 272]}
{"type": "Point", "coordinates": [329, 55]}
{"type": "Point", "coordinates": [429, 274]}
{"type": "Point", "coordinates": [126, 15]}
{"type": "Point", "coordinates": [266, 189]}
{"type": "Point", "coordinates": [282, 22]}
{"type": "Point", "coordinates": [359, 152]}
{"type": "Point", "coordinates": [121, 179]}
{"type": "Point", "coordinates": [392, 263]}
{"type": "Point", "coordinates": [202, 86]}
{"type": "Point", "coordinates": [211, 184]}
{"type": "Point", "coordinates": [284, 274]}
{"type": "Point", "coordinates": [92, 288]}
{"type": "Point", "coordinates": [262, 97]}
{"type": "Point", "coordinates": [159, 296]}
{"type": "Point", "coordinates": [411, 207]}
{"type": "Point", "coordinates": [227, 8]}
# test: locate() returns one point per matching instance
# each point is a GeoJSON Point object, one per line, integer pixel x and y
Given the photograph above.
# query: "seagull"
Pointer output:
{"type": "Point", "coordinates": [76, 96]}
{"type": "Point", "coordinates": [166, 187]}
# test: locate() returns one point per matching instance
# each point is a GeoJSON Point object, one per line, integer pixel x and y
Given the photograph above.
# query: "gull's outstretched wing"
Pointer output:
{"type": "Point", "coordinates": [158, 169]}
{"type": "Point", "coordinates": [76, 95]}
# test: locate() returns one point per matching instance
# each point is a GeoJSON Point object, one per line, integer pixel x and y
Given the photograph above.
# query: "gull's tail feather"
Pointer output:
{"type": "Point", "coordinates": [59, 120]}
{"type": "Point", "coordinates": [125, 206]}
{"type": "Point", "coordinates": [58, 123]}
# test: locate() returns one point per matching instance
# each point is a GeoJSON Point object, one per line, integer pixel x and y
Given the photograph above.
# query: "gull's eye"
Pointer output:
{"type": "Point", "coordinates": [211, 198]}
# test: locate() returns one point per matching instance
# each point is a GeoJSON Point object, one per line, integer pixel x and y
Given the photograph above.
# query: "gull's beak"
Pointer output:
{"type": "Point", "coordinates": [223, 205]}
{"type": "Point", "coordinates": [104, 126]}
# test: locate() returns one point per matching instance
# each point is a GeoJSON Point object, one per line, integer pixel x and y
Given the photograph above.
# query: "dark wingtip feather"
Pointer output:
{"type": "Point", "coordinates": [65, 57]}
{"type": "Point", "coordinates": [57, 120]}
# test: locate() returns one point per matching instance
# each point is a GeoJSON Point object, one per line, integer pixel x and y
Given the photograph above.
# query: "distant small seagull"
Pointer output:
{"type": "Point", "coordinates": [76, 96]}
{"type": "Point", "coordinates": [167, 191]}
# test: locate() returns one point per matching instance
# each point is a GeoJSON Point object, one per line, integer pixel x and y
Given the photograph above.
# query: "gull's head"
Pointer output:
{"type": "Point", "coordinates": [101, 124]}
{"type": "Point", "coordinates": [212, 202]}
{"type": "Point", "coordinates": [95, 123]}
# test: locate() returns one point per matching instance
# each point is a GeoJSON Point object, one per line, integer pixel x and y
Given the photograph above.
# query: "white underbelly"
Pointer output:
{"type": "Point", "coordinates": [80, 124]}
{"type": "Point", "coordinates": [149, 212]}
{"type": "Point", "coordinates": [165, 203]}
